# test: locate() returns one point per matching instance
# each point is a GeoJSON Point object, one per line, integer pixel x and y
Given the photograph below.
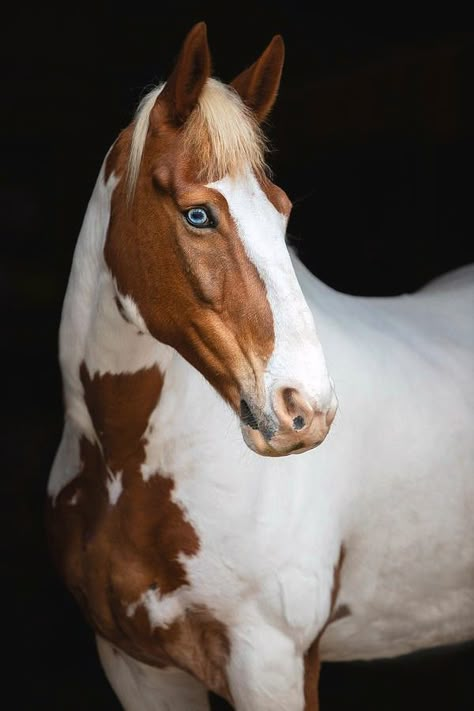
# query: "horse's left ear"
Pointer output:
{"type": "Point", "coordinates": [186, 81]}
{"type": "Point", "coordinates": [258, 85]}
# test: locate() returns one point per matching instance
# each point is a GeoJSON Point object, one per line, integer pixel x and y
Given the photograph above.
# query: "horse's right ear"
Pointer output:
{"type": "Point", "coordinates": [191, 71]}
{"type": "Point", "coordinates": [258, 85]}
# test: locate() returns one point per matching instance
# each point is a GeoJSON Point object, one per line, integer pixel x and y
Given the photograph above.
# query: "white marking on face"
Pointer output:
{"type": "Point", "coordinates": [297, 359]}
{"type": "Point", "coordinates": [114, 486]}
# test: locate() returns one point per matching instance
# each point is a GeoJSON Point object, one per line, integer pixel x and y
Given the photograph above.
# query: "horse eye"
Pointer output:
{"type": "Point", "coordinates": [199, 217]}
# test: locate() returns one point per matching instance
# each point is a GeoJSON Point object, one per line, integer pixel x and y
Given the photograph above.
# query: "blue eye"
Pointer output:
{"type": "Point", "coordinates": [199, 217]}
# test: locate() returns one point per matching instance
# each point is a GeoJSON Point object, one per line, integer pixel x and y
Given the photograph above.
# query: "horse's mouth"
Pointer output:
{"type": "Point", "coordinates": [257, 420]}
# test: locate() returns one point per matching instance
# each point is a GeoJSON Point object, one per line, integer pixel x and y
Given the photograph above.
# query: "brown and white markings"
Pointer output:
{"type": "Point", "coordinates": [188, 350]}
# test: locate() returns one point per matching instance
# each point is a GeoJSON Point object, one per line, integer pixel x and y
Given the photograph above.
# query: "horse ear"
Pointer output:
{"type": "Point", "coordinates": [258, 85]}
{"type": "Point", "coordinates": [191, 71]}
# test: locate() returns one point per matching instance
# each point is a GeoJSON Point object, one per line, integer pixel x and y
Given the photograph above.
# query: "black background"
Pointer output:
{"type": "Point", "coordinates": [373, 141]}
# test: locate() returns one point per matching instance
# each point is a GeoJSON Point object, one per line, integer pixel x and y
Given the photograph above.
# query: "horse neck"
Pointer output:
{"type": "Point", "coordinates": [329, 307]}
{"type": "Point", "coordinates": [94, 330]}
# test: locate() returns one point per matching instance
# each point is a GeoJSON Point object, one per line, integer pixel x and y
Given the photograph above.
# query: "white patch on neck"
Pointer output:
{"type": "Point", "coordinates": [80, 303]}
{"type": "Point", "coordinates": [297, 359]}
{"type": "Point", "coordinates": [116, 345]}
{"type": "Point", "coordinates": [162, 610]}
{"type": "Point", "coordinates": [114, 486]}
{"type": "Point", "coordinates": [131, 311]}
{"type": "Point", "coordinates": [67, 462]}
{"type": "Point", "coordinates": [93, 331]}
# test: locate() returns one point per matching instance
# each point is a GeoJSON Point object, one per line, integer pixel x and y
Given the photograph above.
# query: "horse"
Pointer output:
{"type": "Point", "coordinates": [198, 356]}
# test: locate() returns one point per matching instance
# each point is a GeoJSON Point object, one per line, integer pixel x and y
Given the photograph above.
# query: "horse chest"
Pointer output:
{"type": "Point", "coordinates": [259, 558]}
{"type": "Point", "coordinates": [123, 558]}
{"type": "Point", "coordinates": [151, 561]}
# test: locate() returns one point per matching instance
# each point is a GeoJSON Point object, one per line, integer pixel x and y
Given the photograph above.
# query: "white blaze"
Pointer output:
{"type": "Point", "coordinates": [297, 359]}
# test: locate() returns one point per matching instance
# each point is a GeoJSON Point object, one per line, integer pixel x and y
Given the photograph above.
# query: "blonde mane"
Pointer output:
{"type": "Point", "coordinates": [221, 132]}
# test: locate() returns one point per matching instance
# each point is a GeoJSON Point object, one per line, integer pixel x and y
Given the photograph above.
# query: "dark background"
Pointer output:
{"type": "Point", "coordinates": [373, 141]}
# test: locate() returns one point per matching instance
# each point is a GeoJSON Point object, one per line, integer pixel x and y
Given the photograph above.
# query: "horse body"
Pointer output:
{"type": "Point", "coordinates": [403, 366]}
{"type": "Point", "coordinates": [200, 563]}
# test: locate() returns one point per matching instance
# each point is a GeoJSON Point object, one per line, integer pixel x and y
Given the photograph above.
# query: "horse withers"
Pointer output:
{"type": "Point", "coordinates": [188, 350]}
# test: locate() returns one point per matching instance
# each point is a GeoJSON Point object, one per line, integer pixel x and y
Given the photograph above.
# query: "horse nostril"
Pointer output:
{"type": "Point", "coordinates": [247, 416]}
{"type": "Point", "coordinates": [298, 423]}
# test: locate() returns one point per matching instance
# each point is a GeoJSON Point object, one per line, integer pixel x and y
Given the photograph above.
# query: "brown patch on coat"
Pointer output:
{"type": "Point", "coordinates": [339, 613]}
{"type": "Point", "coordinates": [312, 667]}
{"type": "Point", "coordinates": [336, 585]}
{"type": "Point", "coordinates": [109, 555]}
{"type": "Point", "coordinates": [312, 663]}
{"type": "Point", "coordinates": [199, 644]}
{"type": "Point", "coordinates": [196, 289]}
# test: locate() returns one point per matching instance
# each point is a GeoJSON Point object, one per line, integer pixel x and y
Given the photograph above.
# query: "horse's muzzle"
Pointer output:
{"type": "Point", "coordinates": [292, 427]}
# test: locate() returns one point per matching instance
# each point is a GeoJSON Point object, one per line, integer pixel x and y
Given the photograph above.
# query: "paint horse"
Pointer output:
{"type": "Point", "coordinates": [188, 350]}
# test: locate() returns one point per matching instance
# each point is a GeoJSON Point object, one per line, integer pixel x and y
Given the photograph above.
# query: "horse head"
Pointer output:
{"type": "Point", "coordinates": [196, 242]}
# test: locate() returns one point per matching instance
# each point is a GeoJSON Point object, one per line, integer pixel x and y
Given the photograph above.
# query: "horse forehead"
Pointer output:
{"type": "Point", "coordinates": [260, 226]}
{"type": "Point", "coordinates": [251, 200]}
